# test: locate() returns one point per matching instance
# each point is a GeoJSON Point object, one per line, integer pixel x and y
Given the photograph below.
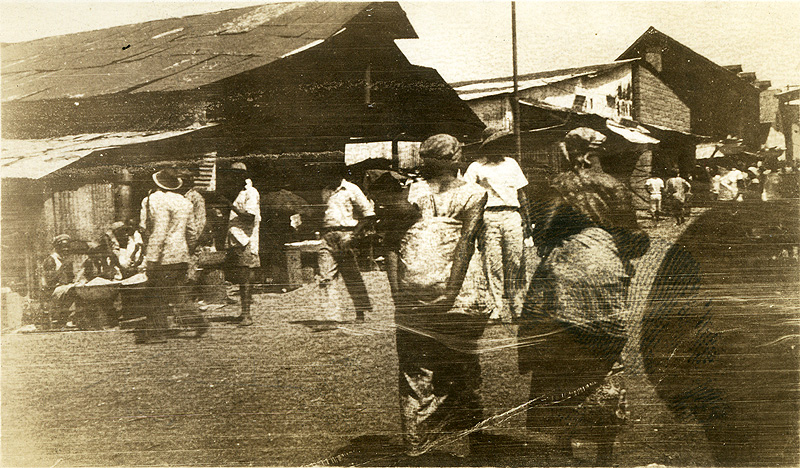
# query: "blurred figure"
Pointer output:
{"type": "Point", "coordinates": [573, 328]}
{"type": "Point", "coordinates": [95, 305]}
{"type": "Point", "coordinates": [348, 215]}
{"type": "Point", "coordinates": [715, 183]}
{"type": "Point", "coordinates": [654, 187]}
{"type": "Point", "coordinates": [437, 333]}
{"type": "Point", "coordinates": [127, 246]}
{"type": "Point", "coordinates": [170, 235]}
{"type": "Point", "coordinates": [678, 191]}
{"type": "Point", "coordinates": [199, 220]}
{"type": "Point", "coordinates": [243, 238]}
{"type": "Point", "coordinates": [57, 281]}
{"type": "Point", "coordinates": [719, 333]}
{"type": "Point", "coordinates": [100, 263]}
{"type": "Point", "coordinates": [503, 234]}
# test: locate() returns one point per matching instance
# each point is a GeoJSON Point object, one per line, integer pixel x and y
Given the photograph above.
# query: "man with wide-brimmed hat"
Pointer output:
{"type": "Point", "coordinates": [243, 238]}
{"type": "Point", "coordinates": [169, 232]}
{"type": "Point", "coordinates": [503, 234]}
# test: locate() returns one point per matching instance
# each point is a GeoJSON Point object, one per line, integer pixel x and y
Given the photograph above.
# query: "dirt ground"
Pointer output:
{"type": "Point", "coordinates": [277, 393]}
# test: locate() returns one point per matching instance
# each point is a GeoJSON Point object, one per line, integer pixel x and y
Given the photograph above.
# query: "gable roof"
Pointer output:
{"type": "Point", "coordinates": [655, 38]}
{"type": "Point", "coordinates": [475, 89]}
{"type": "Point", "coordinates": [184, 53]}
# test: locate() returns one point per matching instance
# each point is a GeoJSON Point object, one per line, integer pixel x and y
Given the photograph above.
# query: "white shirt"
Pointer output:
{"type": "Point", "coordinates": [346, 205]}
{"type": "Point", "coordinates": [729, 185]}
{"type": "Point", "coordinates": [501, 180]}
{"type": "Point", "coordinates": [241, 232]}
{"type": "Point", "coordinates": [654, 186]}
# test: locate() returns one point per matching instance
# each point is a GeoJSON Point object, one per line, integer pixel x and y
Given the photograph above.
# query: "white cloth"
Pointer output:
{"type": "Point", "coordinates": [501, 180]}
{"type": "Point", "coordinates": [240, 232]}
{"type": "Point", "coordinates": [654, 187]}
{"type": "Point", "coordinates": [729, 185]}
{"type": "Point", "coordinates": [125, 256]}
{"type": "Point", "coordinates": [346, 205]}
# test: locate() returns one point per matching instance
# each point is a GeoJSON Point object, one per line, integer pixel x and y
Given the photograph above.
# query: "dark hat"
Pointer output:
{"type": "Point", "coordinates": [442, 146]}
{"type": "Point", "coordinates": [168, 179]}
{"type": "Point", "coordinates": [61, 239]}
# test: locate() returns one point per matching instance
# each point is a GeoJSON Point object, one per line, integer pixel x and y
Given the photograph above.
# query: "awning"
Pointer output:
{"type": "Point", "coordinates": [34, 159]}
{"type": "Point", "coordinates": [636, 134]}
{"type": "Point", "coordinates": [707, 151]}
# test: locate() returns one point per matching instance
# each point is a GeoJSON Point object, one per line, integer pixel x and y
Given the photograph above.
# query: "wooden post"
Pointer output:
{"type": "Point", "coordinates": [515, 97]}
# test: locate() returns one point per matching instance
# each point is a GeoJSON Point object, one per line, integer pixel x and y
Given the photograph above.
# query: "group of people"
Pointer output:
{"type": "Point", "coordinates": [115, 255]}
{"type": "Point", "coordinates": [163, 247]}
{"type": "Point", "coordinates": [572, 318]}
{"type": "Point", "coordinates": [672, 196]}
{"type": "Point", "coordinates": [172, 223]}
{"type": "Point", "coordinates": [449, 231]}
{"type": "Point", "coordinates": [758, 182]}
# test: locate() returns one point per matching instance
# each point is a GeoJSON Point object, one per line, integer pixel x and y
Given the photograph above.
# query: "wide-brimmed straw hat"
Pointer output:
{"type": "Point", "coordinates": [168, 179]}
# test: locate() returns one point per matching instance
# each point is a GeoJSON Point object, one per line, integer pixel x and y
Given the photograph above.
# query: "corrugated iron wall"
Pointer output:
{"type": "Point", "coordinates": [83, 213]}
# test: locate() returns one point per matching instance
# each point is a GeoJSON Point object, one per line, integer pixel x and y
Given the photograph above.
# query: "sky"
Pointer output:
{"type": "Point", "coordinates": [470, 40]}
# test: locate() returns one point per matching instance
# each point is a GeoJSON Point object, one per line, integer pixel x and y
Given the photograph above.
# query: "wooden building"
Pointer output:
{"type": "Point", "coordinates": [723, 102]}
{"type": "Point", "coordinates": [253, 83]}
{"type": "Point", "coordinates": [647, 124]}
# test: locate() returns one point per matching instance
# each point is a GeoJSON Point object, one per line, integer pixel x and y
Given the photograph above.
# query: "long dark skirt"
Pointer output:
{"type": "Point", "coordinates": [440, 375]}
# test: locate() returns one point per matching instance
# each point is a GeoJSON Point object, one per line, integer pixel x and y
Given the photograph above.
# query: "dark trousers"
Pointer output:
{"type": "Point", "coordinates": [168, 296]}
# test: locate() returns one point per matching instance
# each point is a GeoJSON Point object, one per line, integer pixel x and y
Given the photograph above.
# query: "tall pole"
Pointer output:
{"type": "Point", "coordinates": [515, 96]}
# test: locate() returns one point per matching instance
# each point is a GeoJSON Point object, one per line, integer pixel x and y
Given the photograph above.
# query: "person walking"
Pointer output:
{"type": "Point", "coordinates": [573, 329]}
{"type": "Point", "coordinates": [243, 239]}
{"type": "Point", "coordinates": [169, 232]}
{"type": "Point", "coordinates": [437, 330]}
{"type": "Point", "coordinates": [654, 187]}
{"type": "Point", "coordinates": [348, 214]}
{"type": "Point", "coordinates": [502, 238]}
{"type": "Point", "coordinates": [678, 191]}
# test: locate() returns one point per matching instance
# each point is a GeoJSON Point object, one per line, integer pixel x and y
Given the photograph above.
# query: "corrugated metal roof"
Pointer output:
{"type": "Point", "coordinates": [181, 53]}
{"type": "Point", "coordinates": [34, 159]}
{"type": "Point", "coordinates": [475, 89]}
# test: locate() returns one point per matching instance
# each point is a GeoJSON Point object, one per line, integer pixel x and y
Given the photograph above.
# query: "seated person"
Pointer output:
{"type": "Point", "coordinates": [96, 303]}
{"type": "Point", "coordinates": [56, 282]}
{"type": "Point", "coordinates": [126, 244]}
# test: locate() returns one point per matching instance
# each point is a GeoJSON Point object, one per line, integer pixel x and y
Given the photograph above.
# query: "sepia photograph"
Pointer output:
{"type": "Point", "coordinates": [400, 233]}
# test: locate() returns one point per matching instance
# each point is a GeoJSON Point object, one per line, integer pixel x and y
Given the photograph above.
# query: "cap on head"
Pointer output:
{"type": "Point", "coordinates": [168, 179]}
{"type": "Point", "coordinates": [238, 166]}
{"type": "Point", "coordinates": [442, 146]}
{"type": "Point", "coordinates": [61, 240]}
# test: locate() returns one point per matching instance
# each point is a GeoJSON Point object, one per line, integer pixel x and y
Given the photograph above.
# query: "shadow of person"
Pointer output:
{"type": "Point", "coordinates": [490, 450]}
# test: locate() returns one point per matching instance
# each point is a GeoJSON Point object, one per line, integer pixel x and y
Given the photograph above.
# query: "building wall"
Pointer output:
{"type": "Point", "coordinates": [84, 213]}
{"type": "Point", "coordinates": [656, 104]}
{"type": "Point", "coordinates": [494, 111]}
{"type": "Point", "coordinates": [607, 94]}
